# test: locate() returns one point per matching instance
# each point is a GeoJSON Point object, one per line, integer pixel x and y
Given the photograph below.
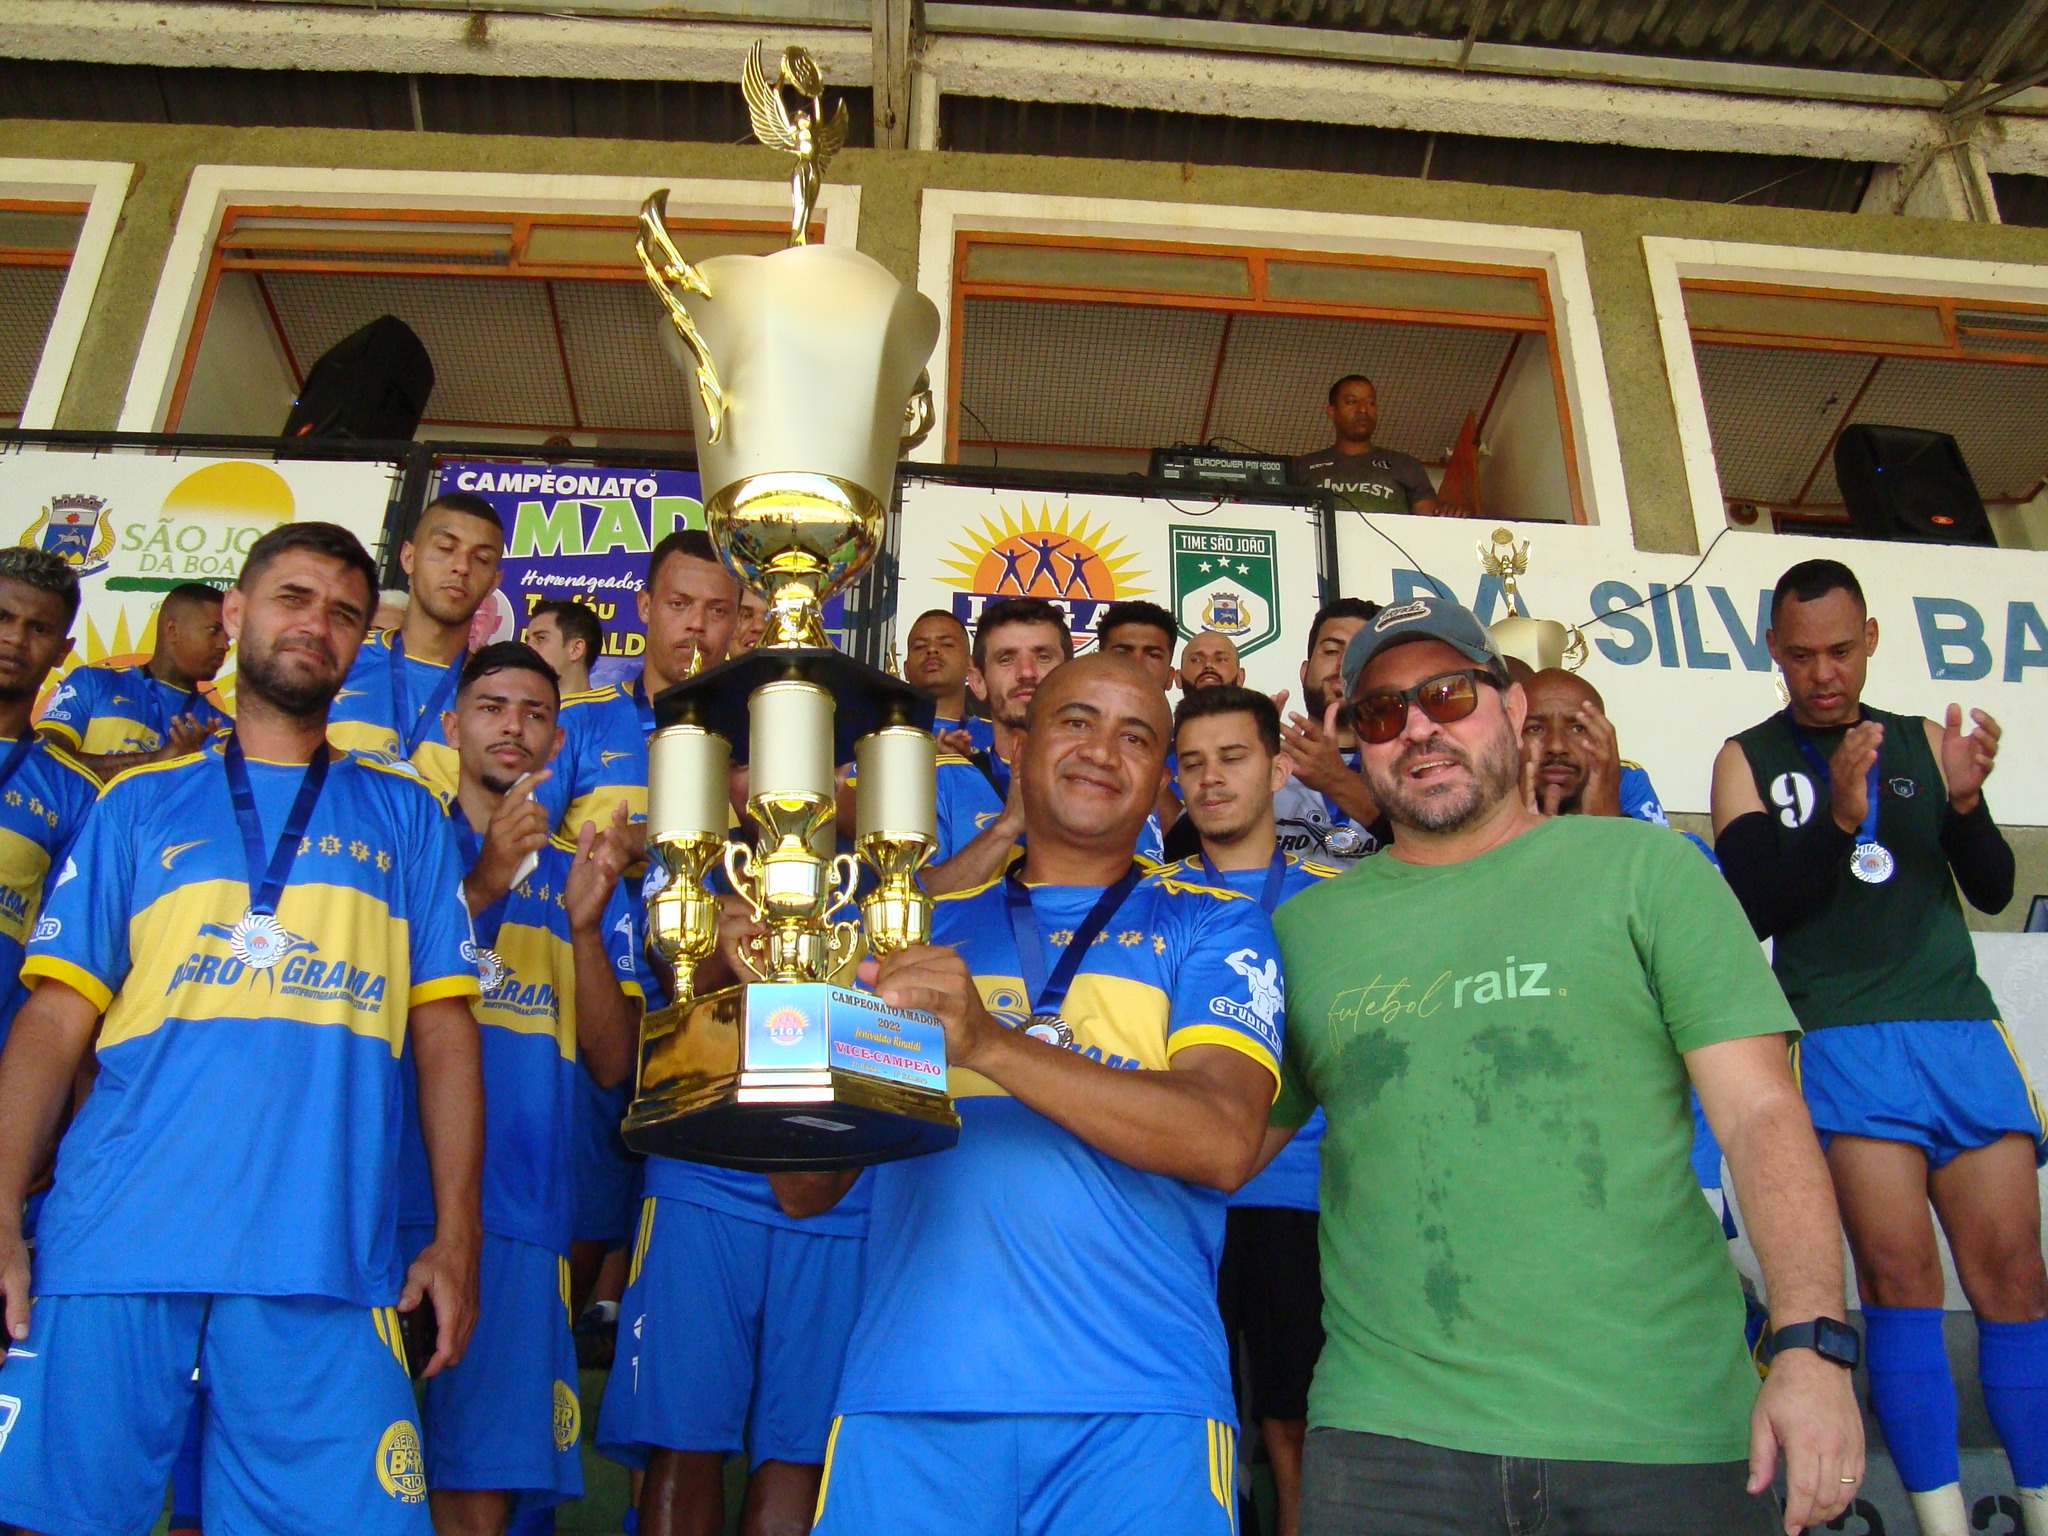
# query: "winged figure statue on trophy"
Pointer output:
{"type": "Point", "coordinates": [806, 133]}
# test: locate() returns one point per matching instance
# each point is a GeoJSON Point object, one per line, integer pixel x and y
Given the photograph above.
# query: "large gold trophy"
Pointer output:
{"type": "Point", "coordinates": [1542, 643]}
{"type": "Point", "coordinates": [809, 367]}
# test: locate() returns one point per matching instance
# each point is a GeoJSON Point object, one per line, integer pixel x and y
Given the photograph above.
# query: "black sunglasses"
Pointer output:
{"type": "Point", "coordinates": [1378, 717]}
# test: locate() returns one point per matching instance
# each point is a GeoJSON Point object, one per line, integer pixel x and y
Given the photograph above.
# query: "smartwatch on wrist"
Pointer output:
{"type": "Point", "coordinates": [1831, 1340]}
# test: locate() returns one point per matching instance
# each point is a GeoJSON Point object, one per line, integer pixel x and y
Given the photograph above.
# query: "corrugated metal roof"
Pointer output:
{"type": "Point", "coordinates": [1940, 39]}
{"type": "Point", "coordinates": [1108, 133]}
{"type": "Point", "coordinates": [699, 111]}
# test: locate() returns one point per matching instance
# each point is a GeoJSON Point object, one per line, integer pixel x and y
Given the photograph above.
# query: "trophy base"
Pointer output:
{"type": "Point", "coordinates": [786, 1077]}
{"type": "Point", "coordinates": [864, 698]}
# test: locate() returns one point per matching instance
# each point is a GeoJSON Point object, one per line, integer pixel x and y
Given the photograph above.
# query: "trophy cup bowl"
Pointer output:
{"type": "Point", "coordinates": [808, 365]}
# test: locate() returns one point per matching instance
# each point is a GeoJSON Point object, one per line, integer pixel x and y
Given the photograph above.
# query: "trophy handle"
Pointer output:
{"type": "Point", "coordinates": [918, 412]}
{"type": "Point", "coordinates": [845, 880]}
{"type": "Point", "coordinates": [847, 944]}
{"type": "Point", "coordinates": [1575, 648]}
{"type": "Point", "coordinates": [739, 868]}
{"type": "Point", "coordinates": [667, 272]}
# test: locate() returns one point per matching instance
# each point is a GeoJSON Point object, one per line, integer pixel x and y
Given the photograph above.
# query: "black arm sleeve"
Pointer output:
{"type": "Point", "coordinates": [1780, 876]}
{"type": "Point", "coordinates": [1980, 856]}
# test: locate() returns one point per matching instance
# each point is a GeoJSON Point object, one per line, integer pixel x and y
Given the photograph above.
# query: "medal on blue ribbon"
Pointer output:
{"type": "Point", "coordinates": [1047, 993]}
{"type": "Point", "coordinates": [1869, 861]}
{"type": "Point", "coordinates": [259, 940]}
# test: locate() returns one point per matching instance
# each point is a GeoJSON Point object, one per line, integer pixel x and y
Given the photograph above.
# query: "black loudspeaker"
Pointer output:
{"type": "Point", "coordinates": [372, 385]}
{"type": "Point", "coordinates": [1905, 484]}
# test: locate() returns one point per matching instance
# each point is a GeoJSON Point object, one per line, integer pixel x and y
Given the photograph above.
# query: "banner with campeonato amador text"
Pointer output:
{"type": "Point", "coordinates": [1680, 656]}
{"type": "Point", "coordinates": [582, 533]}
{"type": "Point", "coordinates": [1245, 569]}
{"type": "Point", "coordinates": [135, 525]}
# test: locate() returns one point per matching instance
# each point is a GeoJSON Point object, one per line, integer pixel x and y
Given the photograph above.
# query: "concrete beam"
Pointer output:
{"type": "Point", "coordinates": [189, 33]}
{"type": "Point", "coordinates": [895, 34]}
{"type": "Point", "coordinates": [1436, 101]}
{"type": "Point", "coordinates": [1944, 181]}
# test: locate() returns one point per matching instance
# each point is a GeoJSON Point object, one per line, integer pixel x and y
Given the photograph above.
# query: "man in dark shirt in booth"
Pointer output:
{"type": "Point", "coordinates": [1359, 475]}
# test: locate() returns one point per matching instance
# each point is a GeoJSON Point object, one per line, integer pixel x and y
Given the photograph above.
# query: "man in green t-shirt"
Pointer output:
{"type": "Point", "coordinates": [1531, 1315]}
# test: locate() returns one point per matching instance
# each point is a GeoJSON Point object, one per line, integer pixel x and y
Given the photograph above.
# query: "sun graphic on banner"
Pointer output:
{"type": "Point", "coordinates": [1061, 556]}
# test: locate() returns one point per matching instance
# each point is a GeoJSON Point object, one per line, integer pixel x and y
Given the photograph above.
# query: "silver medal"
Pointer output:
{"type": "Point", "coordinates": [259, 940]}
{"type": "Point", "coordinates": [1872, 863]}
{"type": "Point", "coordinates": [1346, 841]}
{"type": "Point", "coordinates": [1050, 1028]}
{"type": "Point", "coordinates": [490, 969]}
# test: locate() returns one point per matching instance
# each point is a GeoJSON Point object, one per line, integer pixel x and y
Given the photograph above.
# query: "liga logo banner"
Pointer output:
{"type": "Point", "coordinates": [136, 525]}
{"type": "Point", "coordinates": [1680, 656]}
{"type": "Point", "coordinates": [1248, 570]}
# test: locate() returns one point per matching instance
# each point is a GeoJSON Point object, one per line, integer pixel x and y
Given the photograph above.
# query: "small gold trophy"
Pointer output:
{"type": "Point", "coordinates": [809, 365]}
{"type": "Point", "coordinates": [1542, 643]}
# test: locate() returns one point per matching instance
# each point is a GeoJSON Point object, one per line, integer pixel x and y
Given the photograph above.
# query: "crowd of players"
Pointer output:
{"type": "Point", "coordinates": [1360, 1063]}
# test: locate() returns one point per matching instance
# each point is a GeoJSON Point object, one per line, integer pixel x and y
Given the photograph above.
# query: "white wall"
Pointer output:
{"type": "Point", "coordinates": [240, 382]}
{"type": "Point", "coordinates": [1521, 452]}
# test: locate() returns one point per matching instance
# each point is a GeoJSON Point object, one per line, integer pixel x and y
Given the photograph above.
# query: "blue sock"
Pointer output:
{"type": "Point", "coordinates": [2012, 1362]}
{"type": "Point", "coordinates": [1912, 1394]}
{"type": "Point", "coordinates": [185, 1506]}
{"type": "Point", "coordinates": [631, 1524]}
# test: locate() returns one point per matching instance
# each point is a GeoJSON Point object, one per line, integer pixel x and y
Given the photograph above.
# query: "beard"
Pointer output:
{"type": "Point", "coordinates": [263, 674]}
{"type": "Point", "coordinates": [1494, 776]}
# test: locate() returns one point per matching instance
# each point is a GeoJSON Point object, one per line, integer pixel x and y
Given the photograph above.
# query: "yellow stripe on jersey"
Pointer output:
{"type": "Point", "coordinates": [1796, 1082]}
{"type": "Point", "coordinates": [446, 986]}
{"type": "Point", "coordinates": [825, 1477]}
{"type": "Point", "coordinates": [84, 983]}
{"type": "Point", "coordinates": [23, 864]}
{"type": "Point", "coordinates": [641, 1239]}
{"type": "Point", "coordinates": [1230, 1039]}
{"type": "Point", "coordinates": [356, 975]}
{"type": "Point", "coordinates": [562, 1280]}
{"type": "Point", "coordinates": [59, 732]}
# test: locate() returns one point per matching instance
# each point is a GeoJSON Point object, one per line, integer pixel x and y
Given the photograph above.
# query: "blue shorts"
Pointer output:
{"type": "Point", "coordinates": [604, 1175]}
{"type": "Point", "coordinates": [507, 1416]}
{"type": "Point", "coordinates": [731, 1337]}
{"type": "Point", "coordinates": [309, 1416]}
{"type": "Point", "coordinates": [1947, 1086]}
{"type": "Point", "coordinates": [1115, 1474]}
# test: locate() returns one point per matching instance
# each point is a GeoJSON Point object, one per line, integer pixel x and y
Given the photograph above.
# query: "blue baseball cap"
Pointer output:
{"type": "Point", "coordinates": [1423, 617]}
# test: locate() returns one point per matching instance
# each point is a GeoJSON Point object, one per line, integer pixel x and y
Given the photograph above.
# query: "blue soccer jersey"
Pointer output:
{"type": "Point", "coordinates": [1290, 1180]}
{"type": "Point", "coordinates": [1639, 796]}
{"type": "Point", "coordinates": [981, 731]}
{"type": "Point", "coordinates": [603, 761]}
{"type": "Point", "coordinates": [107, 710]}
{"type": "Point", "coordinates": [243, 1134]}
{"type": "Point", "coordinates": [527, 1016]}
{"type": "Point", "coordinates": [390, 707]}
{"type": "Point", "coordinates": [1024, 1271]}
{"type": "Point", "coordinates": [42, 808]}
{"type": "Point", "coordinates": [967, 803]}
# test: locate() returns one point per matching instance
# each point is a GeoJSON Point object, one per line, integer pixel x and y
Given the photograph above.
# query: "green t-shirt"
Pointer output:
{"type": "Point", "coordinates": [1516, 1258]}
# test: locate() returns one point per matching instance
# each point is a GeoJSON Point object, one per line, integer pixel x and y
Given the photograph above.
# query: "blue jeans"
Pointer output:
{"type": "Point", "coordinates": [1374, 1485]}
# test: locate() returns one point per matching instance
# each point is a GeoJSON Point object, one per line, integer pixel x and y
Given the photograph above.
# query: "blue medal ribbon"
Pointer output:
{"type": "Point", "coordinates": [1269, 893]}
{"type": "Point", "coordinates": [486, 924]}
{"type": "Point", "coordinates": [267, 877]}
{"type": "Point", "coordinates": [1866, 834]}
{"type": "Point", "coordinates": [1049, 993]}
{"type": "Point", "coordinates": [412, 729]}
